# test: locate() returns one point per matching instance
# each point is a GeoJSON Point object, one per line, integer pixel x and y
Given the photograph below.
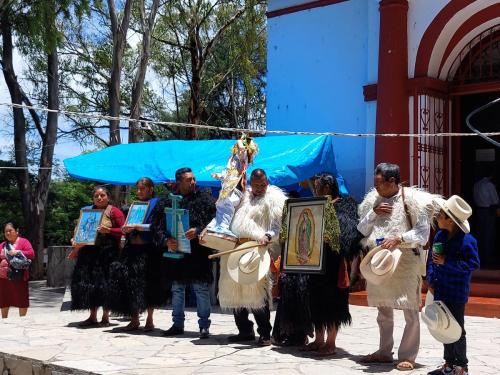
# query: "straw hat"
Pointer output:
{"type": "Point", "coordinates": [458, 210]}
{"type": "Point", "coordinates": [379, 264]}
{"type": "Point", "coordinates": [249, 265]}
{"type": "Point", "coordinates": [441, 323]}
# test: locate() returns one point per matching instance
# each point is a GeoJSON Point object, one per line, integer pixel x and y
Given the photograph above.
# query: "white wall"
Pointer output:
{"type": "Point", "coordinates": [420, 15]}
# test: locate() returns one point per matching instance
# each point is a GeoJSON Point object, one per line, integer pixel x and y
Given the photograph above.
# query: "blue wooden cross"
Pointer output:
{"type": "Point", "coordinates": [175, 214]}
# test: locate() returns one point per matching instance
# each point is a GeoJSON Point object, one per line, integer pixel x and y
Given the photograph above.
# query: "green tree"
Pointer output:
{"type": "Point", "coordinates": [10, 198]}
{"type": "Point", "coordinates": [66, 198]}
{"type": "Point", "coordinates": [188, 32]}
{"type": "Point", "coordinates": [36, 26]}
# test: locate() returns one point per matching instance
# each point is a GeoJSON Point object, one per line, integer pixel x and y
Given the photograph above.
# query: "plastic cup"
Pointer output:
{"type": "Point", "coordinates": [437, 248]}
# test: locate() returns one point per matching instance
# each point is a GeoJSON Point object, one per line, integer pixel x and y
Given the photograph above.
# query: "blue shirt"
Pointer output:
{"type": "Point", "coordinates": [451, 280]}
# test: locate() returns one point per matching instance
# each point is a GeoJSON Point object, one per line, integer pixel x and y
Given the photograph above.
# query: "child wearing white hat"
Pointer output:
{"type": "Point", "coordinates": [454, 256]}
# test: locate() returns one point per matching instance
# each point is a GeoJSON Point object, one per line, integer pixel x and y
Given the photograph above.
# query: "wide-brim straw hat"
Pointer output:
{"type": "Point", "coordinates": [440, 321]}
{"type": "Point", "coordinates": [458, 210]}
{"type": "Point", "coordinates": [249, 265]}
{"type": "Point", "coordinates": [379, 264]}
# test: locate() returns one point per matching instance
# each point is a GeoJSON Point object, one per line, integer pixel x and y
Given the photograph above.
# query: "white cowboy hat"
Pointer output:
{"type": "Point", "coordinates": [458, 210]}
{"type": "Point", "coordinates": [379, 264]}
{"type": "Point", "coordinates": [441, 323]}
{"type": "Point", "coordinates": [249, 265]}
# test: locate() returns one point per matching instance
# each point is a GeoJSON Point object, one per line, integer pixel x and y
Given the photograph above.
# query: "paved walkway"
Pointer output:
{"type": "Point", "coordinates": [48, 335]}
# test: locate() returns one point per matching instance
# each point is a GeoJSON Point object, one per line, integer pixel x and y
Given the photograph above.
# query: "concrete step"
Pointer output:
{"type": "Point", "coordinates": [477, 306]}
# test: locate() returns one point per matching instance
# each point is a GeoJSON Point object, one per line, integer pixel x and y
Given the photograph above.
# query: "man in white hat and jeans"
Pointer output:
{"type": "Point", "coordinates": [454, 256]}
{"type": "Point", "coordinates": [397, 219]}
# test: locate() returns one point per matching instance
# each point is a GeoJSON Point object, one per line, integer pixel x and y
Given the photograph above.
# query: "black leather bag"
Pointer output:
{"type": "Point", "coordinates": [17, 264]}
{"type": "Point", "coordinates": [15, 274]}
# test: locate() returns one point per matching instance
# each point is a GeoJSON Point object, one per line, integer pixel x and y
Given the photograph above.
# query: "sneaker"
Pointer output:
{"type": "Point", "coordinates": [445, 369]}
{"type": "Point", "coordinates": [173, 331]}
{"type": "Point", "coordinates": [204, 334]}
{"type": "Point", "coordinates": [264, 341]}
{"type": "Point", "coordinates": [242, 337]}
{"type": "Point", "coordinates": [460, 370]}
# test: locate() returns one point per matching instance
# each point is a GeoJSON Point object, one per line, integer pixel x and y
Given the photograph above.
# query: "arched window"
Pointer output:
{"type": "Point", "coordinates": [479, 60]}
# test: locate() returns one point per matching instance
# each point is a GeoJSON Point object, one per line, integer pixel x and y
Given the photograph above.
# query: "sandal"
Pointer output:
{"type": "Point", "coordinates": [131, 327]}
{"type": "Point", "coordinates": [375, 358]}
{"type": "Point", "coordinates": [88, 323]}
{"type": "Point", "coordinates": [405, 365]}
{"type": "Point", "coordinates": [149, 327]}
{"type": "Point", "coordinates": [326, 351]}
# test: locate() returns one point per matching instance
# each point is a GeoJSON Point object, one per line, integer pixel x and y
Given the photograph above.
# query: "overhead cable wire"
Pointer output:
{"type": "Point", "coordinates": [146, 123]}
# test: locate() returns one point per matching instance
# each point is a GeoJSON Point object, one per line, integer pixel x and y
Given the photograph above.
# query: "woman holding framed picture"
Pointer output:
{"type": "Point", "coordinates": [135, 282]}
{"type": "Point", "coordinates": [14, 289]}
{"type": "Point", "coordinates": [89, 283]}
{"type": "Point", "coordinates": [318, 299]}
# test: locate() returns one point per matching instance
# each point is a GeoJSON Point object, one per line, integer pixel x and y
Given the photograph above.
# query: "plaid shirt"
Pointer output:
{"type": "Point", "coordinates": [451, 280]}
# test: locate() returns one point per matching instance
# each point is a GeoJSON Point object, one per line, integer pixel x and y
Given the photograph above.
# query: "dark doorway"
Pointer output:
{"type": "Point", "coordinates": [480, 158]}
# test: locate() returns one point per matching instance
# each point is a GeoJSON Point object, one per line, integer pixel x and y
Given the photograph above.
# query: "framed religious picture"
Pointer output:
{"type": "Point", "coordinates": [303, 250]}
{"type": "Point", "coordinates": [86, 229]}
{"type": "Point", "coordinates": [137, 213]}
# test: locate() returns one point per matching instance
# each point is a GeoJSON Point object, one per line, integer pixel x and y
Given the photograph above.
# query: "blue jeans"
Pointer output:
{"type": "Point", "coordinates": [202, 304]}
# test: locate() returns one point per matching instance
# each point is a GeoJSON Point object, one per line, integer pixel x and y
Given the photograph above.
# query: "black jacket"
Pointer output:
{"type": "Point", "coordinates": [194, 267]}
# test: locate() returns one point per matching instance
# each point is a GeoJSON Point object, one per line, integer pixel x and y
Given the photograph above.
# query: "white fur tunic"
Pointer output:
{"type": "Point", "coordinates": [402, 291]}
{"type": "Point", "coordinates": [254, 217]}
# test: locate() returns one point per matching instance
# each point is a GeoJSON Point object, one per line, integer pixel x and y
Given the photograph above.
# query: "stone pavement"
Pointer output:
{"type": "Point", "coordinates": [47, 341]}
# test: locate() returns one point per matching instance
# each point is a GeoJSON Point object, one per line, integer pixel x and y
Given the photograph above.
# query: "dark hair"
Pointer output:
{"type": "Point", "coordinates": [446, 216]}
{"type": "Point", "coordinates": [179, 172]}
{"type": "Point", "coordinates": [100, 187]}
{"type": "Point", "coordinates": [12, 224]}
{"type": "Point", "coordinates": [327, 179]}
{"type": "Point", "coordinates": [387, 171]}
{"type": "Point", "coordinates": [148, 182]}
{"type": "Point", "coordinates": [258, 173]}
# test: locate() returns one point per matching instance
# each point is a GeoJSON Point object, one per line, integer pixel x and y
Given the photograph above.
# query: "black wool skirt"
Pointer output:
{"type": "Point", "coordinates": [135, 281]}
{"type": "Point", "coordinates": [293, 315]}
{"type": "Point", "coordinates": [329, 303]}
{"type": "Point", "coordinates": [90, 280]}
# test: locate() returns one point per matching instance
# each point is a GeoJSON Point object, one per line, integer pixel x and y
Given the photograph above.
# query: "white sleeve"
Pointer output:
{"type": "Point", "coordinates": [365, 224]}
{"type": "Point", "coordinates": [419, 234]}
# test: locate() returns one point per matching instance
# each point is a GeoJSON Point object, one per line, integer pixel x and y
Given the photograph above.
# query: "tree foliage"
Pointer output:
{"type": "Point", "coordinates": [196, 61]}
{"type": "Point", "coordinates": [66, 198]}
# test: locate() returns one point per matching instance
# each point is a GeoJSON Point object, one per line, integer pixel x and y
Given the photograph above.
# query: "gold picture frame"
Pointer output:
{"type": "Point", "coordinates": [303, 250]}
{"type": "Point", "coordinates": [86, 228]}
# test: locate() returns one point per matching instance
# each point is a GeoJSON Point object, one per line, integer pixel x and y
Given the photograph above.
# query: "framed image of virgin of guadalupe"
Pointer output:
{"type": "Point", "coordinates": [86, 229]}
{"type": "Point", "coordinates": [303, 250]}
{"type": "Point", "coordinates": [137, 213]}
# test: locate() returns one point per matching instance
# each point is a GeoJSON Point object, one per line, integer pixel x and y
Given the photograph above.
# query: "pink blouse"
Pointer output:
{"type": "Point", "coordinates": [25, 246]}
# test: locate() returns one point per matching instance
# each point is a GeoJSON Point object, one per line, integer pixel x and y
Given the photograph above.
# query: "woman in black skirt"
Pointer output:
{"type": "Point", "coordinates": [321, 302]}
{"type": "Point", "coordinates": [135, 278]}
{"type": "Point", "coordinates": [90, 278]}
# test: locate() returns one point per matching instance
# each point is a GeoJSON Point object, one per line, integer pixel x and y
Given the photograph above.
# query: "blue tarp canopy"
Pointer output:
{"type": "Point", "coordinates": [287, 160]}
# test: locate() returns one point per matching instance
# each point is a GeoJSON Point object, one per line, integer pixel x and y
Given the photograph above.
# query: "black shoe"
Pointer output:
{"type": "Point", "coordinates": [173, 331]}
{"type": "Point", "coordinates": [204, 334]}
{"type": "Point", "coordinates": [242, 337]}
{"type": "Point", "coordinates": [264, 341]}
{"type": "Point", "coordinates": [445, 369]}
